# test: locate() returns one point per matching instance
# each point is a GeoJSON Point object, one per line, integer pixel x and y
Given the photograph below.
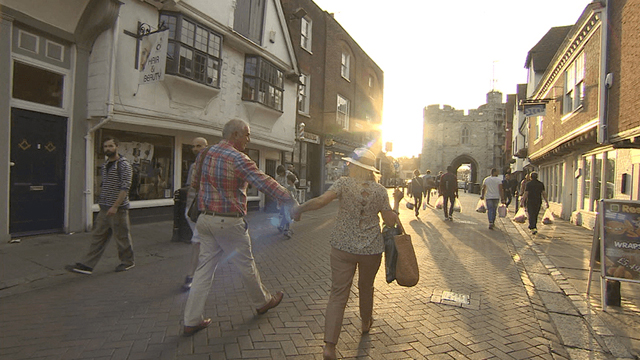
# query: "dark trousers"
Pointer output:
{"type": "Point", "coordinates": [508, 198]}
{"type": "Point", "coordinates": [448, 199]}
{"type": "Point", "coordinates": [428, 194]}
{"type": "Point", "coordinates": [533, 208]}
{"type": "Point", "coordinates": [418, 201]}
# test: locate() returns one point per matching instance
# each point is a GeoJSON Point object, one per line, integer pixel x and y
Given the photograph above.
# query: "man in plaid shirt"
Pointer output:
{"type": "Point", "coordinates": [221, 177]}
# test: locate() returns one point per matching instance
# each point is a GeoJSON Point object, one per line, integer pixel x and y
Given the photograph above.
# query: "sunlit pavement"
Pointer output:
{"type": "Point", "coordinates": [482, 294]}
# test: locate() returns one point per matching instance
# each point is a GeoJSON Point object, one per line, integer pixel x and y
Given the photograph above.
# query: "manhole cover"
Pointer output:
{"type": "Point", "coordinates": [458, 298]}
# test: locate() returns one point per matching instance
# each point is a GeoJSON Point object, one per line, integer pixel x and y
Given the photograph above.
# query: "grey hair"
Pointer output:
{"type": "Point", "coordinates": [232, 126]}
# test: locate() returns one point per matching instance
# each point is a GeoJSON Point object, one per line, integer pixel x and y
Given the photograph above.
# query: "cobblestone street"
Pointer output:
{"type": "Point", "coordinates": [519, 305]}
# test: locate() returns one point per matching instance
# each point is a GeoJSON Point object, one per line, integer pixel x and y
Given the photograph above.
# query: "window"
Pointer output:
{"type": "Point", "coordinates": [597, 181]}
{"type": "Point", "coordinates": [342, 117]}
{"type": "Point", "coordinates": [344, 69]}
{"type": "Point", "coordinates": [151, 159]}
{"type": "Point", "coordinates": [263, 82]}
{"type": "Point", "coordinates": [465, 136]}
{"type": "Point", "coordinates": [305, 33]}
{"type": "Point", "coordinates": [193, 51]}
{"type": "Point", "coordinates": [538, 126]}
{"type": "Point", "coordinates": [37, 85]}
{"type": "Point", "coordinates": [586, 183]}
{"type": "Point", "coordinates": [611, 175]}
{"type": "Point", "coordinates": [248, 19]}
{"type": "Point", "coordinates": [303, 94]}
{"type": "Point", "coordinates": [574, 85]}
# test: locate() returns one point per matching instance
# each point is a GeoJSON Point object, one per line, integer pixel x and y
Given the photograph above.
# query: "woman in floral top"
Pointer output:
{"type": "Point", "coordinates": [356, 240]}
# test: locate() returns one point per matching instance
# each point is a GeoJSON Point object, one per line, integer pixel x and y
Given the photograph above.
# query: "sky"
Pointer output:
{"type": "Point", "coordinates": [449, 52]}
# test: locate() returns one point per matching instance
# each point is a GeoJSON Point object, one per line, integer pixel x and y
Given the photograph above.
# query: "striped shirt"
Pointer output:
{"type": "Point", "coordinates": [225, 174]}
{"type": "Point", "coordinates": [115, 179]}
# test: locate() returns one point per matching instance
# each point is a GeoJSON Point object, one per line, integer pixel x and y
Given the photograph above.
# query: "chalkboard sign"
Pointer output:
{"type": "Point", "coordinates": [617, 236]}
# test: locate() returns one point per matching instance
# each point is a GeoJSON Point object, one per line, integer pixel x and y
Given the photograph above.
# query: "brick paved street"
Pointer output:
{"type": "Point", "coordinates": [517, 308]}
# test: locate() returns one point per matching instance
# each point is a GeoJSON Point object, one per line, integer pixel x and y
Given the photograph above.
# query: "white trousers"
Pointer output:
{"type": "Point", "coordinates": [222, 238]}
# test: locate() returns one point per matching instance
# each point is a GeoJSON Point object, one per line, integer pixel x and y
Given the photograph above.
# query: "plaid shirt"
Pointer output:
{"type": "Point", "coordinates": [224, 178]}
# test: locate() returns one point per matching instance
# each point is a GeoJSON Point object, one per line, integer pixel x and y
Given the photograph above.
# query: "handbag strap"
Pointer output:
{"type": "Point", "coordinates": [197, 171]}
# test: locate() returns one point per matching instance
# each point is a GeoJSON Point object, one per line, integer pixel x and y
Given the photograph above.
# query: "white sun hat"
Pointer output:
{"type": "Point", "coordinates": [364, 158]}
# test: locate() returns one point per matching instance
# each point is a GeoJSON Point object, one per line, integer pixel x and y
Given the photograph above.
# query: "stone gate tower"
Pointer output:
{"type": "Point", "coordinates": [452, 138]}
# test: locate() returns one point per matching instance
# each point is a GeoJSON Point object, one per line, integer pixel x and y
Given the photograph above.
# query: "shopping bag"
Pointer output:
{"type": "Point", "coordinates": [457, 207]}
{"type": "Point", "coordinates": [390, 251]}
{"type": "Point", "coordinates": [409, 205]}
{"type": "Point", "coordinates": [548, 218]}
{"type": "Point", "coordinates": [407, 273]}
{"type": "Point", "coordinates": [481, 207]}
{"type": "Point", "coordinates": [521, 216]}
{"type": "Point", "coordinates": [439, 202]}
{"type": "Point", "coordinates": [193, 213]}
{"type": "Point", "coordinates": [502, 210]}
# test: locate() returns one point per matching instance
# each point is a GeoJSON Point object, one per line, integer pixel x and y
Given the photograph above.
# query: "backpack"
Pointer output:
{"type": "Point", "coordinates": [449, 183]}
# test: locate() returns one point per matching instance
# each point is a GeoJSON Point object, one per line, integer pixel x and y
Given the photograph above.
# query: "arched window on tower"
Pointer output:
{"type": "Point", "coordinates": [465, 135]}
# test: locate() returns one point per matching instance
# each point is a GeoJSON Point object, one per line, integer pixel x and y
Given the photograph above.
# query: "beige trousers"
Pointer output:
{"type": "Point", "coordinates": [343, 268]}
{"type": "Point", "coordinates": [222, 239]}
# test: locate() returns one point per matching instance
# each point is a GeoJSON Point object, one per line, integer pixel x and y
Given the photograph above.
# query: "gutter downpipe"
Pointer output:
{"type": "Point", "coordinates": [89, 137]}
{"type": "Point", "coordinates": [602, 88]}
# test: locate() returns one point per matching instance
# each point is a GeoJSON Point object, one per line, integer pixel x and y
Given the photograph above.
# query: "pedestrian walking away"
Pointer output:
{"type": "Point", "coordinates": [533, 195]}
{"type": "Point", "coordinates": [416, 189]}
{"type": "Point", "coordinates": [523, 186]}
{"type": "Point", "coordinates": [356, 241]}
{"type": "Point", "coordinates": [492, 192]}
{"type": "Point", "coordinates": [429, 183]}
{"type": "Point", "coordinates": [113, 218]}
{"type": "Point", "coordinates": [507, 190]}
{"type": "Point", "coordinates": [199, 144]}
{"type": "Point", "coordinates": [221, 177]}
{"type": "Point", "coordinates": [282, 177]}
{"type": "Point", "coordinates": [449, 191]}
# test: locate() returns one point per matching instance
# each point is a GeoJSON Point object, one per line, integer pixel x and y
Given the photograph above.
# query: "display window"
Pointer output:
{"type": "Point", "coordinates": [335, 167]}
{"type": "Point", "coordinates": [151, 159]}
{"type": "Point", "coordinates": [255, 156]}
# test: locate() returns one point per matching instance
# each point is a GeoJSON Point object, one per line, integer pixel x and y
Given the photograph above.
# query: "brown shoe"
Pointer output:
{"type": "Point", "coordinates": [190, 330]}
{"type": "Point", "coordinates": [275, 301]}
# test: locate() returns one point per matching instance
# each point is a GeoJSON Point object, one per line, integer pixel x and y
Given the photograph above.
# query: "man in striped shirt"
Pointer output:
{"type": "Point", "coordinates": [113, 217]}
{"type": "Point", "coordinates": [221, 178]}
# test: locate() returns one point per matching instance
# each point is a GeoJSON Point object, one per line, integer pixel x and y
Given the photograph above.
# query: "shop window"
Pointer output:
{"type": "Point", "coordinates": [597, 181]}
{"type": "Point", "coordinates": [335, 167]}
{"type": "Point", "coordinates": [151, 159]}
{"type": "Point", "coordinates": [37, 85]}
{"type": "Point", "coordinates": [586, 183]}
{"type": "Point", "coordinates": [611, 175]}
{"type": "Point", "coordinates": [263, 82]}
{"type": "Point", "coordinates": [255, 156]}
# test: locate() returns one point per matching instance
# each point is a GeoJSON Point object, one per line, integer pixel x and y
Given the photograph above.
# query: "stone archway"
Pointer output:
{"type": "Point", "coordinates": [466, 159]}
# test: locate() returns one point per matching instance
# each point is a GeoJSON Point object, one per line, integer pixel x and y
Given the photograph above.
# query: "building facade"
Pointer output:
{"type": "Point", "coordinates": [340, 95]}
{"type": "Point", "coordinates": [224, 59]}
{"type": "Point", "coordinates": [585, 145]}
{"type": "Point", "coordinates": [451, 138]}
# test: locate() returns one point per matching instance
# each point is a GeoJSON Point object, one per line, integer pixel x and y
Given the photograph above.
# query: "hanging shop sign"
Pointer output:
{"type": "Point", "coordinates": [152, 57]}
{"type": "Point", "coordinates": [535, 110]}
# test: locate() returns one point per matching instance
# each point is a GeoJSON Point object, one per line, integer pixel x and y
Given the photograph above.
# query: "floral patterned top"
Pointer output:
{"type": "Point", "coordinates": [357, 229]}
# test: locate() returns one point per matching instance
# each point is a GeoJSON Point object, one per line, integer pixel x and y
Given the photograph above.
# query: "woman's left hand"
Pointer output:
{"type": "Point", "coordinates": [296, 213]}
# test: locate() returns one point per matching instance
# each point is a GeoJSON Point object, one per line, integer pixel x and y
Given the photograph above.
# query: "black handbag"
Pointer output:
{"type": "Point", "coordinates": [193, 211]}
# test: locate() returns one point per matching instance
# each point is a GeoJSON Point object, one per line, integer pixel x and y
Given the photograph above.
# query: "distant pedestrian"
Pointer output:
{"type": "Point", "coordinates": [449, 191]}
{"type": "Point", "coordinates": [356, 240]}
{"type": "Point", "coordinates": [523, 187]}
{"type": "Point", "coordinates": [282, 177]}
{"type": "Point", "coordinates": [492, 193]}
{"type": "Point", "coordinates": [221, 181]}
{"type": "Point", "coordinates": [533, 195]}
{"type": "Point", "coordinates": [429, 185]}
{"type": "Point", "coordinates": [416, 189]}
{"type": "Point", "coordinates": [507, 189]}
{"type": "Point", "coordinates": [199, 144]}
{"type": "Point", "coordinates": [113, 218]}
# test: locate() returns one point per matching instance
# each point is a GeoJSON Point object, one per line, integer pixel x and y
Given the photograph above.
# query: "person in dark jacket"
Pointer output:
{"type": "Point", "coordinates": [449, 191]}
{"type": "Point", "coordinates": [533, 195]}
{"type": "Point", "coordinates": [417, 189]}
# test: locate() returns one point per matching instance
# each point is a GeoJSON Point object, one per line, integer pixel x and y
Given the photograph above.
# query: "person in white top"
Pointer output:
{"type": "Point", "coordinates": [492, 193]}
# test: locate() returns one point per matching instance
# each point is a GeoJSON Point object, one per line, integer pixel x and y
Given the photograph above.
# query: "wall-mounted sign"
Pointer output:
{"type": "Point", "coordinates": [535, 110]}
{"type": "Point", "coordinates": [153, 57]}
{"type": "Point", "coordinates": [312, 138]}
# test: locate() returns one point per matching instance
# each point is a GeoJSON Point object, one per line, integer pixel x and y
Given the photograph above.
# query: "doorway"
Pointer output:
{"type": "Point", "coordinates": [37, 179]}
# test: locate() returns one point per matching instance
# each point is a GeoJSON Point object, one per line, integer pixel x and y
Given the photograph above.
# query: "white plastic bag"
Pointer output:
{"type": "Point", "coordinates": [439, 202]}
{"type": "Point", "coordinates": [502, 210]}
{"type": "Point", "coordinates": [481, 207]}
{"type": "Point", "coordinates": [521, 216]}
{"type": "Point", "coordinates": [457, 207]}
{"type": "Point", "coordinates": [548, 218]}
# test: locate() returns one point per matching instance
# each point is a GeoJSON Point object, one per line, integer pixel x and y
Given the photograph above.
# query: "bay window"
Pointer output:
{"type": "Point", "coordinates": [263, 82]}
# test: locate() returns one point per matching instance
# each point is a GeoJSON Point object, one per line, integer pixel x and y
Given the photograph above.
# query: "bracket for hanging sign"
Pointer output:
{"type": "Point", "coordinates": [144, 29]}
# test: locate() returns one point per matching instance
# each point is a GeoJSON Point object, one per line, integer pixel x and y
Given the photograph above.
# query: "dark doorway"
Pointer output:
{"type": "Point", "coordinates": [270, 205]}
{"type": "Point", "coordinates": [38, 158]}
